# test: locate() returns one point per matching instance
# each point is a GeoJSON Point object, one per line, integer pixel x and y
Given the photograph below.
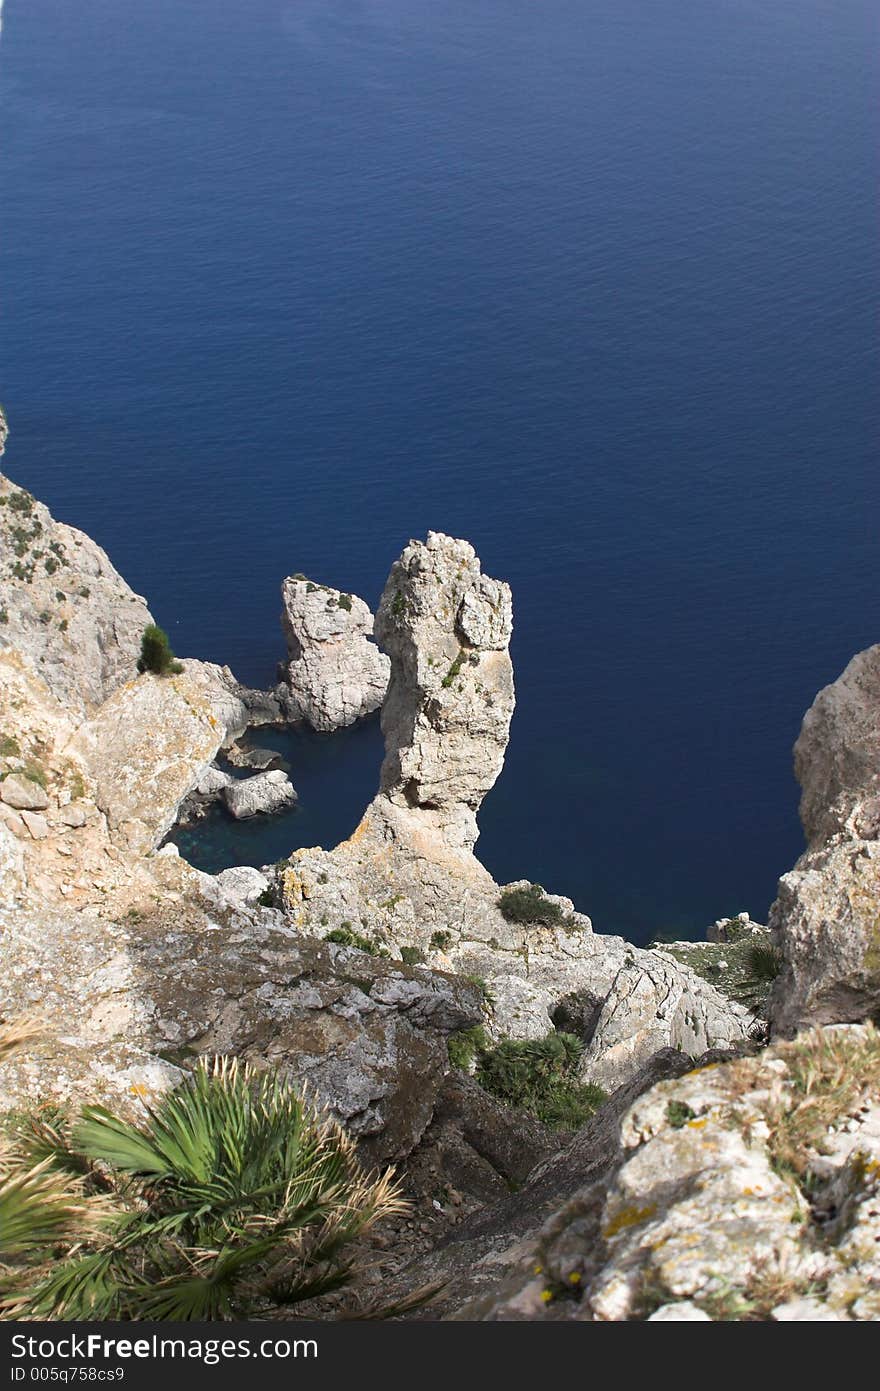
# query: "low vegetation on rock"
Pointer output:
{"type": "Point", "coordinates": [530, 905]}
{"type": "Point", "coordinates": [535, 1075]}
{"type": "Point", "coordinates": [345, 936]}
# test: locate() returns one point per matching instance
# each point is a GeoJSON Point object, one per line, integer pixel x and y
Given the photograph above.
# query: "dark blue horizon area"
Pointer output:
{"type": "Point", "coordinates": [592, 285]}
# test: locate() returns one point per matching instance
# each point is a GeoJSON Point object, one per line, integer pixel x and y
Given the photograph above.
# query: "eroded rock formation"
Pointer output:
{"type": "Point", "coordinates": [67, 611]}
{"type": "Point", "coordinates": [334, 674]}
{"type": "Point", "coordinates": [408, 876]}
{"type": "Point", "coordinates": [826, 919]}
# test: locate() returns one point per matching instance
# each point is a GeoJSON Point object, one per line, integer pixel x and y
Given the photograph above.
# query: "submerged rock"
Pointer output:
{"type": "Point", "coordinates": [334, 674]}
{"type": "Point", "coordinates": [251, 756]}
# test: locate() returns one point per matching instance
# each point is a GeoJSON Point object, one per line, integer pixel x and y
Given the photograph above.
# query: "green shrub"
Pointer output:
{"type": "Point", "coordinates": [345, 936]}
{"type": "Point", "coordinates": [540, 1076]}
{"type": "Point", "coordinates": [530, 905]}
{"type": "Point", "coordinates": [156, 655]}
{"type": "Point", "coordinates": [454, 669]}
{"type": "Point", "coordinates": [233, 1199]}
{"type": "Point", "coordinates": [21, 501]}
{"type": "Point", "coordinates": [345, 602]}
{"type": "Point", "coordinates": [412, 956]}
{"type": "Point", "coordinates": [440, 940]}
{"type": "Point", "coordinates": [764, 961]}
{"type": "Point", "coordinates": [678, 1113]}
{"type": "Point", "coordinates": [9, 746]}
{"type": "Point", "coordinates": [465, 1046]}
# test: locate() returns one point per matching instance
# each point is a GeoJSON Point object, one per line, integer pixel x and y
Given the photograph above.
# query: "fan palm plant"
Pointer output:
{"type": "Point", "coordinates": [234, 1197]}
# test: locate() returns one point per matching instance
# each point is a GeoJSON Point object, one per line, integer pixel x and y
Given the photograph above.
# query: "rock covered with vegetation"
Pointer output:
{"type": "Point", "coordinates": [826, 919]}
{"type": "Point", "coordinates": [743, 1190]}
{"type": "Point", "coordinates": [334, 674]}
{"type": "Point", "coordinates": [232, 1197]}
{"type": "Point", "coordinates": [63, 606]}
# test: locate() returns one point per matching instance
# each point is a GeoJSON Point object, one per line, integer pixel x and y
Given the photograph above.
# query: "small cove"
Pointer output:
{"type": "Point", "coordinates": [335, 776]}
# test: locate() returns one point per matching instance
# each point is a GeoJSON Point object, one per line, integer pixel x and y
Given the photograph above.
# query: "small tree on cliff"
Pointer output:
{"type": "Point", "coordinates": [156, 655]}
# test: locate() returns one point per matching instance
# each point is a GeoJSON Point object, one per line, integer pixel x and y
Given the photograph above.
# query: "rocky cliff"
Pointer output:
{"type": "Point", "coordinates": [744, 1188]}
{"type": "Point", "coordinates": [826, 919]}
{"type": "Point", "coordinates": [409, 878]}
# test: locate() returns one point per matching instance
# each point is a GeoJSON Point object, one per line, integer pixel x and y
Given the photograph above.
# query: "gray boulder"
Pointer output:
{"type": "Point", "coordinates": [266, 792]}
{"type": "Point", "coordinates": [129, 1005]}
{"type": "Point", "coordinates": [22, 793]}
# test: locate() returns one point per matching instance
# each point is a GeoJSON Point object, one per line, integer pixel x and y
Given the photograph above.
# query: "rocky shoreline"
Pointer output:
{"type": "Point", "coordinates": [379, 972]}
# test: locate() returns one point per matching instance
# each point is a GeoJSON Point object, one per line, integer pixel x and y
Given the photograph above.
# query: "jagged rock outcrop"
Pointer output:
{"type": "Point", "coordinates": [652, 1004]}
{"type": "Point", "coordinates": [446, 718]}
{"type": "Point", "coordinates": [334, 674]}
{"type": "Point", "coordinates": [264, 793]}
{"type": "Point", "coordinates": [137, 999]}
{"type": "Point", "coordinates": [143, 752]}
{"type": "Point", "coordinates": [837, 754]}
{"type": "Point", "coordinates": [235, 707]}
{"type": "Point", "coordinates": [62, 604]}
{"type": "Point", "coordinates": [408, 875]}
{"type": "Point", "coordinates": [826, 919]}
{"type": "Point", "coordinates": [745, 1190]}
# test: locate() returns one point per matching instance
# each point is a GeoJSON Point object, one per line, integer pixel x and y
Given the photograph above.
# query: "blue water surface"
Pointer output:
{"type": "Point", "coordinates": [588, 282]}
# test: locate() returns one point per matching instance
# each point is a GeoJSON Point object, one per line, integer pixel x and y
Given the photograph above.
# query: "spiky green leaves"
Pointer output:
{"type": "Point", "coordinates": [233, 1196]}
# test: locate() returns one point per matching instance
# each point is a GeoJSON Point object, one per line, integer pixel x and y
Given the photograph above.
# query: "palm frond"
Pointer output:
{"type": "Point", "coordinates": [16, 1032]}
{"type": "Point", "coordinates": [37, 1209]}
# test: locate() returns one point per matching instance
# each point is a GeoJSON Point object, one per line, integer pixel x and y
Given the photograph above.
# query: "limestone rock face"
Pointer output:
{"type": "Point", "coordinates": [447, 714]}
{"type": "Point", "coordinates": [654, 1003]}
{"type": "Point", "coordinates": [67, 611]}
{"type": "Point", "coordinates": [826, 919]}
{"type": "Point", "coordinates": [144, 750]}
{"type": "Point", "coordinates": [837, 754]}
{"type": "Point", "coordinates": [265, 792]}
{"type": "Point", "coordinates": [129, 1003]}
{"type": "Point", "coordinates": [334, 673]}
{"type": "Point", "coordinates": [234, 706]}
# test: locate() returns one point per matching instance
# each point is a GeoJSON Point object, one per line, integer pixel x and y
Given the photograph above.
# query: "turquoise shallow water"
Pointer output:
{"type": "Point", "coordinates": [594, 285]}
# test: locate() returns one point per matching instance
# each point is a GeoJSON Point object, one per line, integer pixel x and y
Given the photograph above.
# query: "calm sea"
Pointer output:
{"type": "Point", "coordinates": [589, 282]}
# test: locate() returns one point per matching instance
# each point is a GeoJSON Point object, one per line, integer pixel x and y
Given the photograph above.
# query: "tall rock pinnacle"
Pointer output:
{"type": "Point", "coordinates": [446, 717]}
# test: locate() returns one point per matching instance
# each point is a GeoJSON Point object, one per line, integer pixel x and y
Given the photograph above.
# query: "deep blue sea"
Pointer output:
{"type": "Point", "coordinates": [591, 283]}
